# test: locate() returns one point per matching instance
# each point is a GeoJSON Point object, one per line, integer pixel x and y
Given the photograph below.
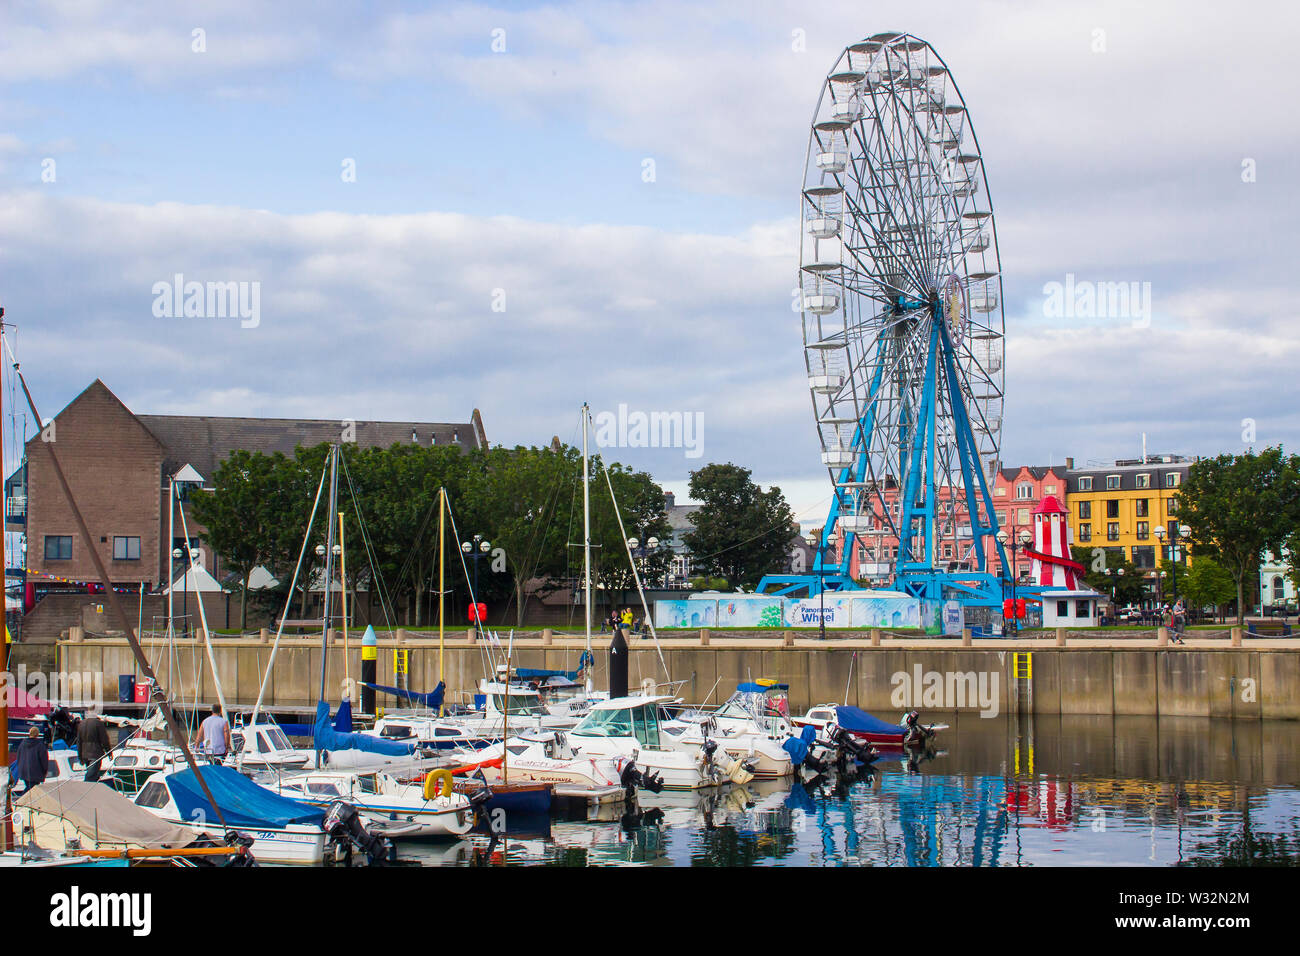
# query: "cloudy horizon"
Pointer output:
{"type": "Point", "coordinates": [450, 209]}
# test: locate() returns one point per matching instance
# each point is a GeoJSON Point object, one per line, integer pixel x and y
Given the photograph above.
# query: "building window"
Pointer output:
{"type": "Point", "coordinates": [947, 551]}
{"type": "Point", "coordinates": [1112, 482]}
{"type": "Point", "coordinates": [1085, 484]}
{"type": "Point", "coordinates": [1145, 557]}
{"type": "Point", "coordinates": [1143, 530]}
{"type": "Point", "coordinates": [1085, 509]}
{"type": "Point", "coordinates": [1022, 516]}
{"type": "Point", "coordinates": [126, 548]}
{"type": "Point", "coordinates": [58, 547]}
{"type": "Point", "coordinates": [1144, 481]}
{"type": "Point", "coordinates": [1081, 608]}
{"type": "Point", "coordinates": [1024, 491]}
{"type": "Point", "coordinates": [999, 492]}
{"type": "Point", "coordinates": [1172, 507]}
{"type": "Point", "coordinates": [1171, 480]}
{"type": "Point", "coordinates": [1049, 489]}
{"type": "Point", "coordinates": [1002, 519]}
{"type": "Point", "coordinates": [1062, 608]}
{"type": "Point", "coordinates": [1085, 532]}
{"type": "Point", "coordinates": [1112, 531]}
{"type": "Point", "coordinates": [1112, 508]}
{"type": "Point", "coordinates": [1143, 507]}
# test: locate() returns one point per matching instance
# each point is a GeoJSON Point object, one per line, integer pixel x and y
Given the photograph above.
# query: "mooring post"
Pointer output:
{"type": "Point", "coordinates": [875, 637]}
{"type": "Point", "coordinates": [1236, 637]}
{"type": "Point", "coordinates": [1060, 637]}
{"type": "Point", "coordinates": [1162, 636]}
{"type": "Point", "coordinates": [704, 637]}
{"type": "Point", "coordinates": [547, 636]}
{"type": "Point", "coordinates": [965, 637]}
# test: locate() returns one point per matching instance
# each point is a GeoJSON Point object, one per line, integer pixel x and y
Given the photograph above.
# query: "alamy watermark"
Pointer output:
{"type": "Point", "coordinates": [1085, 299]}
{"type": "Point", "coordinates": [81, 689]}
{"type": "Point", "coordinates": [637, 429]}
{"type": "Point", "coordinates": [209, 300]}
{"type": "Point", "coordinates": [946, 690]}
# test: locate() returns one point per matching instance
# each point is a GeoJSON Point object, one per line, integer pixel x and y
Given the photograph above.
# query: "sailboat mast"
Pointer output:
{"type": "Point", "coordinates": [586, 535]}
{"type": "Point", "coordinates": [442, 587]}
{"type": "Point", "coordinates": [329, 564]}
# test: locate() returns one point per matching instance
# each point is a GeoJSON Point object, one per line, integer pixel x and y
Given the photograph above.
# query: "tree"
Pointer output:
{"type": "Point", "coordinates": [641, 506]}
{"type": "Point", "coordinates": [1206, 582]}
{"type": "Point", "coordinates": [237, 516]}
{"type": "Point", "coordinates": [740, 531]}
{"type": "Point", "coordinates": [1239, 506]}
{"type": "Point", "coordinates": [516, 492]}
{"type": "Point", "coordinates": [1102, 572]}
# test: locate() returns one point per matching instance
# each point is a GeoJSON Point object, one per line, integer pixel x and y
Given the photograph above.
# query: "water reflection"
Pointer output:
{"type": "Point", "coordinates": [1061, 791]}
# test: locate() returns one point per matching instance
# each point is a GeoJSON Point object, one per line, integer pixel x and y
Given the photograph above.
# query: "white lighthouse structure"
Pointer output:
{"type": "Point", "coordinates": [1067, 601]}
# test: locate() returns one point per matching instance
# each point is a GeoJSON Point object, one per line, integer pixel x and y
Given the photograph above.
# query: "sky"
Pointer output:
{"type": "Point", "coordinates": [521, 207]}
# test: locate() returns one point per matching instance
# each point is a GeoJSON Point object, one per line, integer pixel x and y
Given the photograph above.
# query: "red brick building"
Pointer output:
{"type": "Point", "coordinates": [119, 466]}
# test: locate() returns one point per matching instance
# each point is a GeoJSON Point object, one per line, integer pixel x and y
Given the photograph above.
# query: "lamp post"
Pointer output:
{"type": "Point", "coordinates": [1176, 532]}
{"type": "Point", "coordinates": [643, 553]}
{"type": "Point", "coordinates": [1024, 538]}
{"type": "Point", "coordinates": [185, 588]}
{"type": "Point", "coordinates": [820, 550]}
{"type": "Point", "coordinates": [480, 547]}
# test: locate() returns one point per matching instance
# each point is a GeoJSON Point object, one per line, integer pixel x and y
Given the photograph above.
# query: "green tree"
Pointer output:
{"type": "Point", "coordinates": [1111, 574]}
{"type": "Point", "coordinates": [741, 532]}
{"type": "Point", "coordinates": [237, 518]}
{"type": "Point", "coordinates": [641, 505]}
{"type": "Point", "coordinates": [1239, 506]}
{"type": "Point", "coordinates": [1205, 582]}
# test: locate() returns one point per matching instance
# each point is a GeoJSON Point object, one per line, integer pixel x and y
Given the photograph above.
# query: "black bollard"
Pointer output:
{"type": "Point", "coordinates": [618, 665]}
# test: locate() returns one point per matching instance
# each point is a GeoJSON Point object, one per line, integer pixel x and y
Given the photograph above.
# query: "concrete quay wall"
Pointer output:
{"type": "Point", "coordinates": [1260, 680]}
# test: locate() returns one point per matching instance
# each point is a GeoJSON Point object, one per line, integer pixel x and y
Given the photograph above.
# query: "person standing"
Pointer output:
{"type": "Point", "coordinates": [32, 762]}
{"type": "Point", "coordinates": [92, 746]}
{"type": "Point", "coordinates": [214, 736]}
{"type": "Point", "coordinates": [627, 619]}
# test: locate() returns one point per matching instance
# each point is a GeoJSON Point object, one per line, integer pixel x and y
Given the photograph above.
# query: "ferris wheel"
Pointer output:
{"type": "Point", "coordinates": [901, 300]}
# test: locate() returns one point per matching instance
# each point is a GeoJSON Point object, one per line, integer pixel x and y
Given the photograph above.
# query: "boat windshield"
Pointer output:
{"type": "Point", "coordinates": [278, 740]}
{"type": "Point", "coordinates": [521, 705]}
{"type": "Point", "coordinates": [639, 722]}
{"type": "Point", "coordinates": [605, 723]}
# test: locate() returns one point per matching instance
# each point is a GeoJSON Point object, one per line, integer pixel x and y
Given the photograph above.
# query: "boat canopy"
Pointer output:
{"type": "Point", "coordinates": [327, 738]}
{"type": "Point", "coordinates": [859, 721]}
{"type": "Point", "coordinates": [243, 803]}
{"type": "Point", "coordinates": [757, 688]}
{"type": "Point", "coordinates": [102, 814]}
{"type": "Point", "coordinates": [431, 699]}
{"type": "Point", "coordinates": [539, 673]}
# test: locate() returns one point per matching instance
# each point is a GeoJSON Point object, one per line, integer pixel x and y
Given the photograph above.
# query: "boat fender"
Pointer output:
{"type": "Point", "coordinates": [437, 783]}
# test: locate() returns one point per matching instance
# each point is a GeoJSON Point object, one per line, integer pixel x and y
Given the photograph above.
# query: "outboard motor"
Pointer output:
{"type": "Point", "coordinates": [343, 824]}
{"type": "Point", "coordinates": [631, 778]}
{"type": "Point", "coordinates": [849, 749]}
{"type": "Point", "coordinates": [916, 731]}
{"type": "Point", "coordinates": [244, 842]}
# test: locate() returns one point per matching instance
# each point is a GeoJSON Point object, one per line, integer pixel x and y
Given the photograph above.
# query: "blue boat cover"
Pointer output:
{"type": "Point", "coordinates": [850, 718]}
{"type": "Point", "coordinates": [243, 803]}
{"type": "Point", "coordinates": [432, 699]}
{"type": "Point", "coordinates": [327, 738]}
{"type": "Point", "coordinates": [342, 723]}
{"type": "Point", "coordinates": [540, 673]}
{"type": "Point", "coordinates": [750, 688]}
{"type": "Point", "coordinates": [796, 748]}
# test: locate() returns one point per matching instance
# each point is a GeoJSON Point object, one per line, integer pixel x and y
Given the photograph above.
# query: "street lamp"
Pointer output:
{"type": "Point", "coordinates": [820, 551]}
{"type": "Point", "coordinates": [177, 553]}
{"type": "Point", "coordinates": [1175, 532]}
{"type": "Point", "coordinates": [651, 545]}
{"type": "Point", "coordinates": [483, 547]}
{"type": "Point", "coordinates": [1024, 538]}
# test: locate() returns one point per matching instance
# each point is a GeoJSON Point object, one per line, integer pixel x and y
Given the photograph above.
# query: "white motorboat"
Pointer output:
{"type": "Point", "coordinates": [389, 808]}
{"type": "Point", "coordinates": [629, 727]}
{"type": "Point", "coordinates": [751, 725]}
{"type": "Point", "coordinates": [537, 758]}
{"type": "Point", "coordinates": [507, 707]}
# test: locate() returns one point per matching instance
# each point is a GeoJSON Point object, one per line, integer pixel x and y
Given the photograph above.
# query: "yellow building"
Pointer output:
{"type": "Point", "coordinates": [1119, 508]}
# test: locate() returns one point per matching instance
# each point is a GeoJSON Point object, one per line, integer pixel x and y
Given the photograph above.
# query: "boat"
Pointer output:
{"type": "Point", "coordinates": [864, 728]}
{"type": "Point", "coordinates": [521, 704]}
{"type": "Point", "coordinates": [629, 727]}
{"type": "Point", "coordinates": [90, 820]}
{"type": "Point", "coordinates": [64, 764]}
{"type": "Point", "coordinates": [751, 725]}
{"type": "Point", "coordinates": [389, 808]}
{"type": "Point", "coordinates": [282, 830]}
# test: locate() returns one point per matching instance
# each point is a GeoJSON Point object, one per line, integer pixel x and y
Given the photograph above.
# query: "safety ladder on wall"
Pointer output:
{"type": "Point", "coordinates": [401, 668]}
{"type": "Point", "coordinates": [1022, 674]}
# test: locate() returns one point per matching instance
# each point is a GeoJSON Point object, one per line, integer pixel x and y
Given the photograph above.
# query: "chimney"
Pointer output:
{"type": "Point", "coordinates": [670, 499]}
{"type": "Point", "coordinates": [414, 437]}
{"type": "Point", "coordinates": [1069, 464]}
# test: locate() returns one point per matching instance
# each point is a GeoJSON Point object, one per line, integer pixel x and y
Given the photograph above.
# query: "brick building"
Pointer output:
{"type": "Point", "coordinates": [119, 466]}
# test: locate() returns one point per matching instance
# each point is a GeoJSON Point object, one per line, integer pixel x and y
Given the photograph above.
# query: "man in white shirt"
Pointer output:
{"type": "Point", "coordinates": [214, 736]}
